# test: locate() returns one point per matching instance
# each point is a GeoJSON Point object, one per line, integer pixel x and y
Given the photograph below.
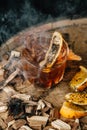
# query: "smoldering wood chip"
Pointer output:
{"type": "Point", "coordinates": [15, 107]}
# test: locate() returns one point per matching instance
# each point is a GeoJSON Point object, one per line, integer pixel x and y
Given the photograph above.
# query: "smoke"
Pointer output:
{"type": "Point", "coordinates": [16, 15]}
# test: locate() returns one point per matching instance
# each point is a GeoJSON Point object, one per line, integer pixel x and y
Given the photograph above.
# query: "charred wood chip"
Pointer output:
{"type": "Point", "coordinates": [16, 107]}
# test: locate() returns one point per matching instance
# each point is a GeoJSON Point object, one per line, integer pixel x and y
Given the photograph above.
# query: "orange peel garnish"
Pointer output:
{"type": "Point", "coordinates": [70, 110]}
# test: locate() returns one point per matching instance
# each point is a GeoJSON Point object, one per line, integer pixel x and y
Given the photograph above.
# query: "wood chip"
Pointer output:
{"type": "Point", "coordinates": [16, 72]}
{"type": "Point", "coordinates": [1, 75]}
{"type": "Point", "coordinates": [37, 127]}
{"type": "Point", "coordinates": [60, 125]}
{"type": "Point", "coordinates": [48, 104]}
{"type": "Point", "coordinates": [9, 119]}
{"type": "Point", "coordinates": [4, 115]}
{"type": "Point", "coordinates": [51, 129]}
{"type": "Point", "coordinates": [28, 109]}
{"type": "Point", "coordinates": [25, 127]}
{"type": "Point", "coordinates": [77, 124]}
{"type": "Point", "coordinates": [48, 128]}
{"type": "Point", "coordinates": [45, 114]}
{"type": "Point", "coordinates": [23, 97]}
{"type": "Point", "coordinates": [46, 109]}
{"type": "Point", "coordinates": [3, 125]}
{"type": "Point", "coordinates": [15, 54]}
{"type": "Point", "coordinates": [0, 66]}
{"type": "Point", "coordinates": [11, 123]}
{"type": "Point", "coordinates": [37, 120]}
{"type": "Point", "coordinates": [3, 96]}
{"type": "Point", "coordinates": [54, 113]}
{"type": "Point", "coordinates": [40, 105]}
{"type": "Point", "coordinates": [3, 108]}
{"type": "Point", "coordinates": [9, 91]}
{"type": "Point", "coordinates": [18, 123]}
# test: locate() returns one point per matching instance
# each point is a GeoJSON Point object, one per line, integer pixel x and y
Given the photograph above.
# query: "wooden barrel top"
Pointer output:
{"type": "Point", "coordinates": [76, 30]}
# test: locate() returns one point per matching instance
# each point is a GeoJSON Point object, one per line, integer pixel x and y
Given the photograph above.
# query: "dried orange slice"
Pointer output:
{"type": "Point", "coordinates": [73, 56]}
{"type": "Point", "coordinates": [79, 81]}
{"type": "Point", "coordinates": [70, 110]}
{"type": "Point", "coordinates": [77, 98]}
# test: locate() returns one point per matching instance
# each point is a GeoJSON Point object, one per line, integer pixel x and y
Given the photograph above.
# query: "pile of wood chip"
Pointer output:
{"type": "Point", "coordinates": [21, 109]}
{"type": "Point", "coordinates": [24, 112]}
